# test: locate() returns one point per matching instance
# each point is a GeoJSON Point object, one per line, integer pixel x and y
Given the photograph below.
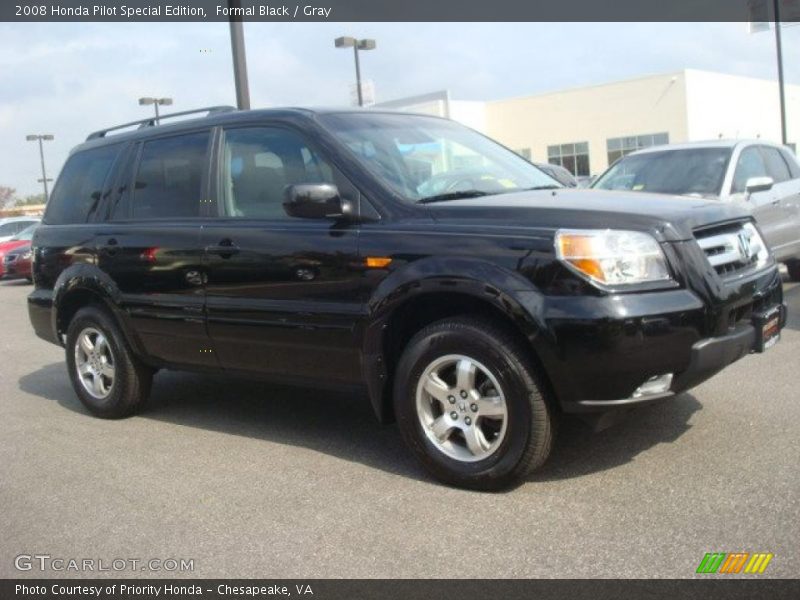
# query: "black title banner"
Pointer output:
{"type": "Point", "coordinates": [394, 10]}
{"type": "Point", "coordinates": [405, 589]}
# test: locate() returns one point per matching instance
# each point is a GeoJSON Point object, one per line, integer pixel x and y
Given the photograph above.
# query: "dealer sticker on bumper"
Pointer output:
{"type": "Point", "coordinates": [768, 329]}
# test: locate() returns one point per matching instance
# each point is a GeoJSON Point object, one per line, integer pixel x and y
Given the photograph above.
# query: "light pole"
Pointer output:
{"type": "Point", "coordinates": [239, 59]}
{"type": "Point", "coordinates": [781, 88]}
{"type": "Point", "coordinates": [41, 138]}
{"type": "Point", "coordinates": [347, 42]}
{"type": "Point", "coordinates": [155, 102]}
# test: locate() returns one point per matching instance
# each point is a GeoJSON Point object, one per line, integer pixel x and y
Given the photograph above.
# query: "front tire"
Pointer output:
{"type": "Point", "coordinates": [469, 405]}
{"type": "Point", "coordinates": [108, 379]}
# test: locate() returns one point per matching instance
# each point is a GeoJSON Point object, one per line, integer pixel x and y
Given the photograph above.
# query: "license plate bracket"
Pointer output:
{"type": "Point", "coordinates": [768, 328]}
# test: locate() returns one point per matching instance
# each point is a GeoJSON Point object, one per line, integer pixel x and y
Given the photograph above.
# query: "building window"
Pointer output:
{"type": "Point", "coordinates": [619, 147]}
{"type": "Point", "coordinates": [525, 153]}
{"type": "Point", "coordinates": [573, 157]}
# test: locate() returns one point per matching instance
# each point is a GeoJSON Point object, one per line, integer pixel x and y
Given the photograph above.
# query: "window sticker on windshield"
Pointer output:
{"type": "Point", "coordinates": [638, 187]}
{"type": "Point", "coordinates": [506, 183]}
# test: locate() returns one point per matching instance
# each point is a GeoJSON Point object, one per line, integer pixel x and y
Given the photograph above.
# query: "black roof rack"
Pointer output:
{"type": "Point", "coordinates": [151, 122]}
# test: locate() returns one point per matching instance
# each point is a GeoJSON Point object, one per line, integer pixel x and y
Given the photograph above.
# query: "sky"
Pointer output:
{"type": "Point", "coordinates": [68, 79]}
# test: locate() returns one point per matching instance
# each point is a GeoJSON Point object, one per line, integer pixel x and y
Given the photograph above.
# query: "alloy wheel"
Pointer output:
{"type": "Point", "coordinates": [94, 363]}
{"type": "Point", "coordinates": [462, 408]}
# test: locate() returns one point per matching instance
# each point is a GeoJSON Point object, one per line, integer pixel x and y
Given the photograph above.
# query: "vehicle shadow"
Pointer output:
{"type": "Point", "coordinates": [15, 282]}
{"type": "Point", "coordinates": [343, 425]}
{"type": "Point", "coordinates": [579, 450]}
{"type": "Point", "coordinates": [791, 295]}
{"type": "Point", "coordinates": [334, 423]}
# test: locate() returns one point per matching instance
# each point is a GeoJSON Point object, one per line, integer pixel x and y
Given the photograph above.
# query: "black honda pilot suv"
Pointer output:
{"type": "Point", "coordinates": [467, 294]}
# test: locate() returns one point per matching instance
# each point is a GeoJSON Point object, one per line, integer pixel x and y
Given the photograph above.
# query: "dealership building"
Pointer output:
{"type": "Point", "coordinates": [586, 129]}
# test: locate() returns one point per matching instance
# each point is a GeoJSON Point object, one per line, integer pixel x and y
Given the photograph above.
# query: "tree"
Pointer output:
{"type": "Point", "coordinates": [7, 196]}
{"type": "Point", "coordinates": [30, 200]}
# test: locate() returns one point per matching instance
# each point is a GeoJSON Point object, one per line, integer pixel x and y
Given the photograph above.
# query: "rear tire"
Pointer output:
{"type": "Point", "coordinates": [470, 406]}
{"type": "Point", "coordinates": [108, 379]}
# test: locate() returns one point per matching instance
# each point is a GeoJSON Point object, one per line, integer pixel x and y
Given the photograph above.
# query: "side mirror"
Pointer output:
{"type": "Point", "coordinates": [758, 184]}
{"type": "Point", "coordinates": [316, 201]}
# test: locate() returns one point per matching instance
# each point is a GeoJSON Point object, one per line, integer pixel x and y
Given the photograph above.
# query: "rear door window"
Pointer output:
{"type": "Point", "coordinates": [750, 164]}
{"type": "Point", "coordinates": [80, 186]}
{"type": "Point", "coordinates": [791, 161]}
{"type": "Point", "coordinates": [170, 176]}
{"type": "Point", "coordinates": [776, 166]}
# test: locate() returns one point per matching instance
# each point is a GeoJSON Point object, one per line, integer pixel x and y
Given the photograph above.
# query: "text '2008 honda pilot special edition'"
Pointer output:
{"type": "Point", "coordinates": [467, 293]}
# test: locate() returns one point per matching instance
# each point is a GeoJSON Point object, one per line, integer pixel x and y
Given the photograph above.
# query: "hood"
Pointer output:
{"type": "Point", "coordinates": [669, 218]}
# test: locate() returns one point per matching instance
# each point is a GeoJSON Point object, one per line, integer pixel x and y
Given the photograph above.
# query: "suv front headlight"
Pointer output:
{"type": "Point", "coordinates": [612, 257]}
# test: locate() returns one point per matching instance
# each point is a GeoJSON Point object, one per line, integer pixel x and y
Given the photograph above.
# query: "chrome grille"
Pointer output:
{"type": "Point", "coordinates": [732, 249]}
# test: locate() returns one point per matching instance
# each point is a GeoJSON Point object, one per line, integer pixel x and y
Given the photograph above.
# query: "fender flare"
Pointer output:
{"type": "Point", "coordinates": [86, 277]}
{"type": "Point", "coordinates": [505, 290]}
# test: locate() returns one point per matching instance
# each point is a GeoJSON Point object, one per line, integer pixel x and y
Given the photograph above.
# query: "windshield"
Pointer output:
{"type": "Point", "coordinates": [26, 235]}
{"type": "Point", "coordinates": [427, 159]}
{"type": "Point", "coordinates": [687, 171]}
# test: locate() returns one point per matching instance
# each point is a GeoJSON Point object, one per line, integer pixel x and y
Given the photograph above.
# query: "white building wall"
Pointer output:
{"type": "Point", "coordinates": [471, 114]}
{"type": "Point", "coordinates": [436, 108]}
{"type": "Point", "coordinates": [731, 107]}
{"type": "Point", "coordinates": [646, 105]}
{"type": "Point", "coordinates": [435, 103]}
{"type": "Point", "coordinates": [439, 104]}
{"type": "Point", "coordinates": [688, 105]}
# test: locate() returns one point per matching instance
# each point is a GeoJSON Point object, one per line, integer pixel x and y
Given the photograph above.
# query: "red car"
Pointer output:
{"type": "Point", "coordinates": [21, 239]}
{"type": "Point", "coordinates": [17, 262]}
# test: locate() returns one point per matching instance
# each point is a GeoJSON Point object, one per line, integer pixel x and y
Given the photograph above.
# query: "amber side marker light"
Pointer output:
{"type": "Point", "coordinates": [378, 262]}
{"type": "Point", "coordinates": [576, 250]}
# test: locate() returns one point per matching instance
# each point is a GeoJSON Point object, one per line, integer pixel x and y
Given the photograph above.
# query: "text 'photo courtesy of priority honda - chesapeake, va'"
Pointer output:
{"type": "Point", "coordinates": [399, 300]}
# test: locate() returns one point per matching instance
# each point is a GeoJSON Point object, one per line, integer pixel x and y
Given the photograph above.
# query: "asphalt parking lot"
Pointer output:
{"type": "Point", "coordinates": [251, 480]}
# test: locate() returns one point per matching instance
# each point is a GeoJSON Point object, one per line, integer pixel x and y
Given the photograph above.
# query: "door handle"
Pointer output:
{"type": "Point", "coordinates": [223, 249]}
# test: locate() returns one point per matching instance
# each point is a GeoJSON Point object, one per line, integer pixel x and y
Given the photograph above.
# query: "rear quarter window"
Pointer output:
{"type": "Point", "coordinates": [80, 186]}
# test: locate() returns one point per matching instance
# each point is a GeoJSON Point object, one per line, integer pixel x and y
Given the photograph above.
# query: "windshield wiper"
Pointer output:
{"type": "Point", "coordinates": [540, 187]}
{"type": "Point", "coordinates": [479, 193]}
{"type": "Point", "coordinates": [452, 196]}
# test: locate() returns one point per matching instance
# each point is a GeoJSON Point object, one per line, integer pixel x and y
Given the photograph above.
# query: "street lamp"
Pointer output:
{"type": "Point", "coordinates": [34, 137]}
{"type": "Point", "coordinates": [155, 102]}
{"type": "Point", "coordinates": [238, 55]}
{"type": "Point", "coordinates": [347, 42]}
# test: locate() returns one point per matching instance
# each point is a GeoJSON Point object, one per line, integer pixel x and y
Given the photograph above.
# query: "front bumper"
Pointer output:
{"type": "Point", "coordinates": [708, 357]}
{"type": "Point", "coordinates": [599, 350]}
